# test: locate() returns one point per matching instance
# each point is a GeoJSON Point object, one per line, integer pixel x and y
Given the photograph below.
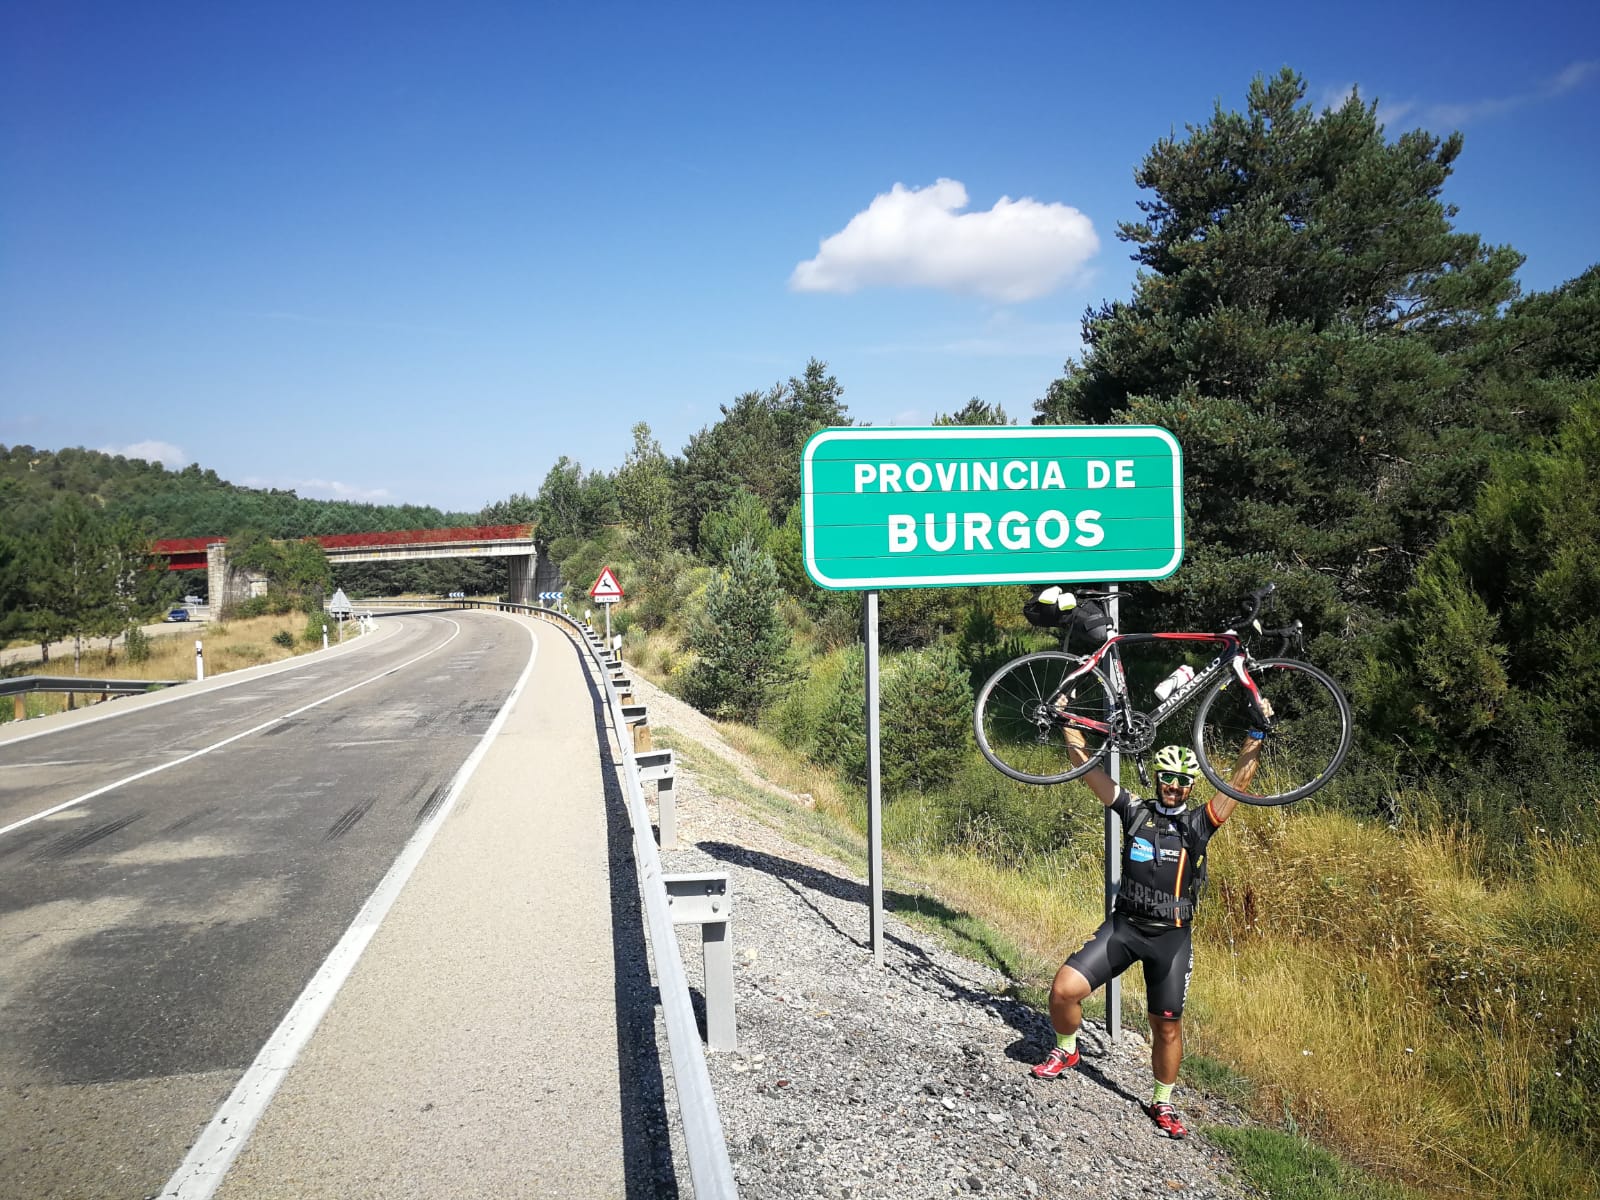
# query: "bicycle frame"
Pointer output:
{"type": "Point", "coordinates": [1234, 655]}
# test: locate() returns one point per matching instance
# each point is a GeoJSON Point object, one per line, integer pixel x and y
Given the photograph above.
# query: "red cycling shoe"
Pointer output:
{"type": "Point", "coordinates": [1166, 1119]}
{"type": "Point", "coordinates": [1057, 1061]}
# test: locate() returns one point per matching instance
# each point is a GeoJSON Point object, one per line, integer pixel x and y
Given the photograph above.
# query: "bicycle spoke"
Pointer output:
{"type": "Point", "coordinates": [1024, 710]}
{"type": "Point", "coordinates": [1307, 740]}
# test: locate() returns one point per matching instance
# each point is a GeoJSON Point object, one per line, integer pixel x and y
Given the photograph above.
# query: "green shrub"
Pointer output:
{"type": "Point", "coordinates": [841, 733]}
{"type": "Point", "coordinates": [798, 720]}
{"type": "Point", "coordinates": [137, 645]}
{"type": "Point", "coordinates": [316, 623]}
{"type": "Point", "coordinates": [283, 638]}
{"type": "Point", "coordinates": [926, 720]}
{"type": "Point", "coordinates": [744, 662]}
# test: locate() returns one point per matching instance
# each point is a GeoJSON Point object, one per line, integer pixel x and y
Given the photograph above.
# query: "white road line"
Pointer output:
{"type": "Point", "coordinates": [220, 1143]}
{"type": "Point", "coordinates": [101, 791]}
{"type": "Point", "coordinates": [318, 658]}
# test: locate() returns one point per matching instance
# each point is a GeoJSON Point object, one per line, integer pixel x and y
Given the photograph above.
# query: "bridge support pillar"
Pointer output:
{"type": "Point", "coordinates": [217, 578]}
{"type": "Point", "coordinates": [520, 587]}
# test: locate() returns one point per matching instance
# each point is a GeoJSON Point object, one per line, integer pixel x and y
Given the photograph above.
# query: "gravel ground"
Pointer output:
{"type": "Point", "coordinates": [906, 1081]}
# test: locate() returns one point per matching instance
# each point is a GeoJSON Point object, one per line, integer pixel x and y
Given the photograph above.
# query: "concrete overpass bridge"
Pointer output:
{"type": "Point", "coordinates": [528, 575]}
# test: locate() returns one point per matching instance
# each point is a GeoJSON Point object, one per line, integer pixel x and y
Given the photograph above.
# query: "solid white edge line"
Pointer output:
{"type": "Point", "coordinates": [223, 681]}
{"type": "Point", "coordinates": [208, 1160]}
{"type": "Point", "coordinates": [167, 766]}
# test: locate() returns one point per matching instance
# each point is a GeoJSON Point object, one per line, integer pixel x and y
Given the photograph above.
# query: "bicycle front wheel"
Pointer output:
{"type": "Point", "coordinates": [1309, 737]}
{"type": "Point", "coordinates": [1025, 709]}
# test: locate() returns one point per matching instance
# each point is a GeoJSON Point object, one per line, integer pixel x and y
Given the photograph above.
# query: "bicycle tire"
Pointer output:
{"type": "Point", "coordinates": [1311, 733]}
{"type": "Point", "coordinates": [1020, 733]}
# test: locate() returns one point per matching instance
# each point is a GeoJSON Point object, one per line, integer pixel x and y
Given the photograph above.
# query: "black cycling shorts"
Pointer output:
{"type": "Point", "coordinates": [1167, 955]}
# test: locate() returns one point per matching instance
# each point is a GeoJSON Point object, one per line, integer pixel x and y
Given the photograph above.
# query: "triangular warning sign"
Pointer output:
{"type": "Point", "coordinates": [606, 588]}
{"type": "Point", "coordinates": [339, 606]}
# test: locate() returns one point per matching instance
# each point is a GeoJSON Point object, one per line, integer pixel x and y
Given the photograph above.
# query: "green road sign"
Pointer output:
{"type": "Point", "coordinates": [958, 505]}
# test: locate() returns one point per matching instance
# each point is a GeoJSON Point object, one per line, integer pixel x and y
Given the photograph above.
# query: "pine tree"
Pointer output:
{"type": "Point", "coordinates": [742, 640]}
{"type": "Point", "coordinates": [1302, 288]}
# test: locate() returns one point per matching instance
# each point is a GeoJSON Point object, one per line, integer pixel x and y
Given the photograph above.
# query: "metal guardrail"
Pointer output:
{"type": "Point", "coordinates": [20, 686]}
{"type": "Point", "coordinates": [77, 683]}
{"type": "Point", "coordinates": [710, 1170]}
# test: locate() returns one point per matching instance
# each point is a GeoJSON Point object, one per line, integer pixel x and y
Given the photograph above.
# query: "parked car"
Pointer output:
{"type": "Point", "coordinates": [178, 614]}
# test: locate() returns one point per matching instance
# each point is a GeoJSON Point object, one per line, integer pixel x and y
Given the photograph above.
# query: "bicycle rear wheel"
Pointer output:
{"type": "Point", "coordinates": [1023, 714]}
{"type": "Point", "coordinates": [1310, 734]}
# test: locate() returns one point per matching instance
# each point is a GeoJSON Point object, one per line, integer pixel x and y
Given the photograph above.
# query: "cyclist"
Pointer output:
{"type": "Point", "coordinates": [1163, 853]}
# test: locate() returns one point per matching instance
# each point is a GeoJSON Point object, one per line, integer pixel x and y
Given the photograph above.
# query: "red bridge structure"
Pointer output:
{"type": "Point", "coordinates": [515, 542]}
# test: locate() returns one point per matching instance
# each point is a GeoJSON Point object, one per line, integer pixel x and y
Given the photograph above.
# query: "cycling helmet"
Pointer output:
{"type": "Point", "coordinates": [1179, 759]}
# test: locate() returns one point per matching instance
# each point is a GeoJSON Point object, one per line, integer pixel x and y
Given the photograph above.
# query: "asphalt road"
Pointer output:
{"type": "Point", "coordinates": [154, 935]}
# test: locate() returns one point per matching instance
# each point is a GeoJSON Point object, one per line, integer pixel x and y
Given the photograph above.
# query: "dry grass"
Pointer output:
{"type": "Point", "coordinates": [1376, 989]}
{"type": "Point", "coordinates": [228, 646]}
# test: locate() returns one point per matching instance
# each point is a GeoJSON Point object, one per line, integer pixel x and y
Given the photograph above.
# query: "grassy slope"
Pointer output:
{"type": "Point", "coordinates": [1373, 993]}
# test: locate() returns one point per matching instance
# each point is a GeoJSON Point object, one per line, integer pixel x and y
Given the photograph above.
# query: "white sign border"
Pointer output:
{"type": "Point", "coordinates": [883, 432]}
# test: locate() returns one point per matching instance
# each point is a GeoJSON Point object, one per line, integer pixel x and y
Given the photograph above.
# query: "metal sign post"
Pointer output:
{"type": "Point", "coordinates": [1113, 855]}
{"type": "Point", "coordinates": [869, 618]}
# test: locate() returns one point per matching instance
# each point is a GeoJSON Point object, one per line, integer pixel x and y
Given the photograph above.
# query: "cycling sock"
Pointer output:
{"type": "Point", "coordinates": [1067, 1041]}
{"type": "Point", "coordinates": [1163, 1094]}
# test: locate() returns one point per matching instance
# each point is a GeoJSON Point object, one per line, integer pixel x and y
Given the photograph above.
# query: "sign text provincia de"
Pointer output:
{"type": "Point", "coordinates": [963, 505]}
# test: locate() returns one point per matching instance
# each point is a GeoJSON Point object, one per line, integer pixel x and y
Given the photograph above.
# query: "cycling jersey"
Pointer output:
{"type": "Point", "coordinates": [1163, 860]}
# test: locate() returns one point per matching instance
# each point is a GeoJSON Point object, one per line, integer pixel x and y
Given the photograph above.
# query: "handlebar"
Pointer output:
{"type": "Point", "coordinates": [1249, 621]}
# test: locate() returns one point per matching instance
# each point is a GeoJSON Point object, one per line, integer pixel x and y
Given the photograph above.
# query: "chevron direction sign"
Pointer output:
{"type": "Point", "coordinates": [961, 505]}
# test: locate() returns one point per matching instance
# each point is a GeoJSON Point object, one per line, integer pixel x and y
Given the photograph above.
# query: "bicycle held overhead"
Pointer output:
{"type": "Point", "coordinates": [1295, 710]}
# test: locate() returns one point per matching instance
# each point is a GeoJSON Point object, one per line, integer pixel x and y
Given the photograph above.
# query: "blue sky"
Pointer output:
{"type": "Point", "coordinates": [415, 252]}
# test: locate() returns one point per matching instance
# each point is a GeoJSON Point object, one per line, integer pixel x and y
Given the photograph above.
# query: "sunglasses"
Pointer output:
{"type": "Point", "coordinates": [1175, 779]}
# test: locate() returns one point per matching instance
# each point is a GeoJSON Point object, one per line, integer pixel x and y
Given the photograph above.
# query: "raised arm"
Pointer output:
{"type": "Point", "coordinates": [1100, 783]}
{"type": "Point", "coordinates": [1221, 805]}
{"type": "Point", "coordinates": [1244, 770]}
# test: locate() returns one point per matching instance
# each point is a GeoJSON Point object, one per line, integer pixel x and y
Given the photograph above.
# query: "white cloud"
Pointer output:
{"type": "Point", "coordinates": [918, 237]}
{"type": "Point", "coordinates": [1444, 117]}
{"type": "Point", "coordinates": [165, 453]}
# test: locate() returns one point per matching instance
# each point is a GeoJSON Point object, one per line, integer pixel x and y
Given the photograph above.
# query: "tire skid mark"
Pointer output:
{"type": "Point", "coordinates": [82, 840]}
{"type": "Point", "coordinates": [431, 804]}
{"type": "Point", "coordinates": [347, 821]}
{"type": "Point", "coordinates": [185, 822]}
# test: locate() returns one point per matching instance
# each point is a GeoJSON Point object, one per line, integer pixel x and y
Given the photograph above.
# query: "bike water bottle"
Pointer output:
{"type": "Point", "coordinates": [1174, 681]}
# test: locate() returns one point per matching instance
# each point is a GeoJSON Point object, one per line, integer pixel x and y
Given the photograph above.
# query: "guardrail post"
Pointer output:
{"type": "Point", "coordinates": [639, 722]}
{"type": "Point", "coordinates": [702, 899]}
{"type": "Point", "coordinates": [22, 707]}
{"type": "Point", "coordinates": [624, 686]}
{"type": "Point", "coordinates": [658, 765]}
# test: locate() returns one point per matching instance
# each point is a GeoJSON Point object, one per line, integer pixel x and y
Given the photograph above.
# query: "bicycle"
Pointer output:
{"type": "Point", "coordinates": [1026, 707]}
